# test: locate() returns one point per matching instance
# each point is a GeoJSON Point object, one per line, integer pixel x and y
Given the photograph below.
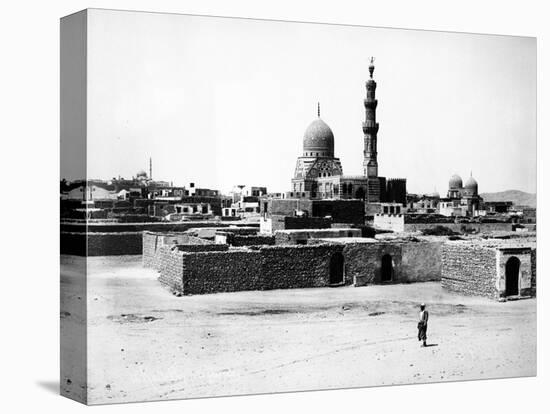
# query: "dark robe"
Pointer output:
{"type": "Point", "coordinates": [423, 326]}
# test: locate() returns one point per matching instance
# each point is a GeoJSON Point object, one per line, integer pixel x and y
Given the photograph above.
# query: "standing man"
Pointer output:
{"type": "Point", "coordinates": [423, 324]}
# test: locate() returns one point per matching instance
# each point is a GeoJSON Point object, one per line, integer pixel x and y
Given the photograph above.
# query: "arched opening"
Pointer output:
{"type": "Point", "coordinates": [387, 269]}
{"type": "Point", "coordinates": [360, 193]}
{"type": "Point", "coordinates": [512, 276]}
{"type": "Point", "coordinates": [336, 269]}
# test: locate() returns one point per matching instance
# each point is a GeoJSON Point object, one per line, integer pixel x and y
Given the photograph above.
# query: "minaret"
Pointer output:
{"type": "Point", "coordinates": [150, 168]}
{"type": "Point", "coordinates": [370, 128]}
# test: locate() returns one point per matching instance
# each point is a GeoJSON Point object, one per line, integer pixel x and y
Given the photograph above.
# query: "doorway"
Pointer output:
{"type": "Point", "coordinates": [336, 269]}
{"type": "Point", "coordinates": [512, 276]}
{"type": "Point", "coordinates": [387, 269]}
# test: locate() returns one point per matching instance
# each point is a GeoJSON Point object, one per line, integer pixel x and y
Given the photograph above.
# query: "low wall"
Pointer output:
{"type": "Point", "coordinates": [461, 227]}
{"type": "Point", "coordinates": [303, 236]}
{"type": "Point", "coordinates": [101, 244]}
{"type": "Point", "coordinates": [165, 227]}
{"type": "Point", "coordinates": [270, 267]}
{"type": "Point", "coordinates": [534, 272]}
{"type": "Point", "coordinates": [469, 270]}
{"type": "Point", "coordinates": [292, 266]}
{"type": "Point", "coordinates": [252, 240]}
{"type": "Point", "coordinates": [153, 242]}
{"type": "Point", "coordinates": [411, 262]}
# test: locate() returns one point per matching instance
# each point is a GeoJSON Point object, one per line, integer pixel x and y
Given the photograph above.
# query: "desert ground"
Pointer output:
{"type": "Point", "coordinates": [146, 344]}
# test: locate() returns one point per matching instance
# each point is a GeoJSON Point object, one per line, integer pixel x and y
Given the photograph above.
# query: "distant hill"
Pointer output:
{"type": "Point", "coordinates": [517, 197]}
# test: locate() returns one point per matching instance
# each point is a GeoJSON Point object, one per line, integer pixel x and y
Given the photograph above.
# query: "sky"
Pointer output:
{"type": "Point", "coordinates": [221, 102]}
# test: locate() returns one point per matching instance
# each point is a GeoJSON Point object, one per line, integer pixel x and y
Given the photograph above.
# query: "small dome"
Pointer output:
{"type": "Point", "coordinates": [141, 173]}
{"type": "Point", "coordinates": [319, 138]}
{"type": "Point", "coordinates": [471, 184]}
{"type": "Point", "coordinates": [455, 182]}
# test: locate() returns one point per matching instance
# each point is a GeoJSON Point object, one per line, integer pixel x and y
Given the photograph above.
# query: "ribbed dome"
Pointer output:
{"type": "Point", "coordinates": [455, 182]}
{"type": "Point", "coordinates": [471, 184]}
{"type": "Point", "coordinates": [319, 138]}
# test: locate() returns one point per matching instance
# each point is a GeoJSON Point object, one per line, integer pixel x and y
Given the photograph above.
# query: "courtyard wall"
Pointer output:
{"type": "Point", "coordinates": [469, 269]}
{"type": "Point", "coordinates": [263, 268]}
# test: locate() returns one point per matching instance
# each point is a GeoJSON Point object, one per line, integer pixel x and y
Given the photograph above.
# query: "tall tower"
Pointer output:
{"type": "Point", "coordinates": [370, 128]}
{"type": "Point", "coordinates": [150, 168]}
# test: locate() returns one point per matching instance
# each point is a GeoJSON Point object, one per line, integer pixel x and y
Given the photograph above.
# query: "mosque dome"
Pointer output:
{"type": "Point", "coordinates": [471, 185]}
{"type": "Point", "coordinates": [318, 139]}
{"type": "Point", "coordinates": [455, 182]}
{"type": "Point", "coordinates": [141, 173]}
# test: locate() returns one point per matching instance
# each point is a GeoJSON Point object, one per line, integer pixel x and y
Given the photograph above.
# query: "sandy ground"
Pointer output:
{"type": "Point", "coordinates": [146, 344]}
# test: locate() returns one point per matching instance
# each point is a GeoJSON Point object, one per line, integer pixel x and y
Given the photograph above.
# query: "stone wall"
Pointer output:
{"type": "Point", "coordinates": [421, 261]}
{"type": "Point", "coordinates": [153, 242]}
{"type": "Point", "coordinates": [269, 267]}
{"type": "Point", "coordinates": [411, 262]}
{"type": "Point", "coordinates": [101, 244]}
{"type": "Point", "coordinates": [279, 222]}
{"type": "Point", "coordinates": [171, 268]}
{"type": "Point", "coordinates": [534, 272]}
{"type": "Point", "coordinates": [285, 266]}
{"type": "Point", "coordinates": [469, 270]}
{"type": "Point", "coordinates": [165, 227]}
{"type": "Point", "coordinates": [461, 227]}
{"type": "Point", "coordinates": [341, 211]}
{"type": "Point", "coordinates": [252, 240]}
{"type": "Point", "coordinates": [305, 236]}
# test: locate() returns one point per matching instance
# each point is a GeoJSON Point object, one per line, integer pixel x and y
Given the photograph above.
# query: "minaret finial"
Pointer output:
{"type": "Point", "coordinates": [318, 110]}
{"type": "Point", "coordinates": [371, 66]}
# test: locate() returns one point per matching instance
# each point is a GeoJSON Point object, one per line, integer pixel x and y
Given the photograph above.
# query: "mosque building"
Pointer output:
{"type": "Point", "coordinates": [462, 199]}
{"type": "Point", "coordinates": [319, 174]}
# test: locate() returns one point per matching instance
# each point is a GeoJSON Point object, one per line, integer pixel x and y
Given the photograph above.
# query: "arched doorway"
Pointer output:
{"type": "Point", "coordinates": [387, 269]}
{"type": "Point", "coordinates": [336, 269]}
{"type": "Point", "coordinates": [512, 276]}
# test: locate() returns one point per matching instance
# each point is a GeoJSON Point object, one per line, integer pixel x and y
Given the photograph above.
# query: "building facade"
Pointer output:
{"type": "Point", "coordinates": [319, 174]}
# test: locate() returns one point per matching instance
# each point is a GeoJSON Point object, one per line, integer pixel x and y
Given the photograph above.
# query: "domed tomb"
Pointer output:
{"type": "Point", "coordinates": [471, 186]}
{"type": "Point", "coordinates": [318, 140]}
{"type": "Point", "coordinates": [455, 183]}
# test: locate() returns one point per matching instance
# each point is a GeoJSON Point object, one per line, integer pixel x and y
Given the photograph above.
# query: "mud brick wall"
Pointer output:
{"type": "Point", "coordinates": [153, 227]}
{"type": "Point", "coordinates": [101, 244]}
{"type": "Point", "coordinates": [461, 227]}
{"type": "Point", "coordinates": [289, 223]}
{"type": "Point", "coordinates": [114, 244]}
{"type": "Point", "coordinates": [469, 270]}
{"type": "Point", "coordinates": [171, 269]}
{"type": "Point", "coordinates": [534, 272]}
{"type": "Point", "coordinates": [421, 261]}
{"type": "Point", "coordinates": [152, 242]}
{"type": "Point", "coordinates": [411, 261]}
{"type": "Point", "coordinates": [73, 243]}
{"type": "Point", "coordinates": [285, 267]}
{"type": "Point", "coordinates": [270, 267]}
{"type": "Point", "coordinates": [363, 262]}
{"type": "Point", "coordinates": [221, 272]}
{"type": "Point", "coordinates": [253, 240]}
{"type": "Point", "coordinates": [341, 211]}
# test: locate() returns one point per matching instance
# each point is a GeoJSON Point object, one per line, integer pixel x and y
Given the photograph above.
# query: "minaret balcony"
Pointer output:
{"type": "Point", "coordinates": [370, 127]}
{"type": "Point", "coordinates": [370, 103]}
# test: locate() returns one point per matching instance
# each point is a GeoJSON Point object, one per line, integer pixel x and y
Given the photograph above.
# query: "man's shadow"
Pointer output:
{"type": "Point", "coordinates": [428, 345]}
